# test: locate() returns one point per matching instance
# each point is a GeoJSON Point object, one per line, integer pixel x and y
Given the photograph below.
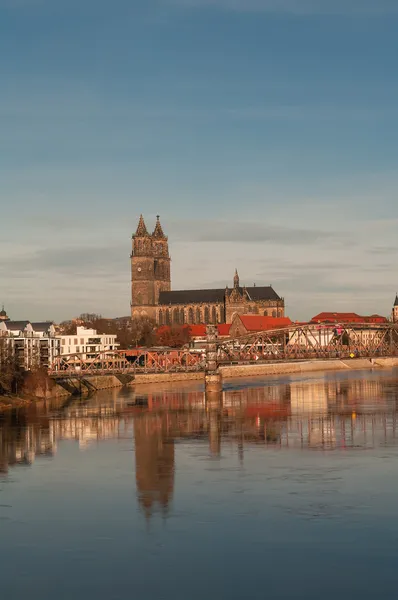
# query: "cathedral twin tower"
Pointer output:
{"type": "Point", "coordinates": [151, 293]}
{"type": "Point", "coordinates": [150, 269]}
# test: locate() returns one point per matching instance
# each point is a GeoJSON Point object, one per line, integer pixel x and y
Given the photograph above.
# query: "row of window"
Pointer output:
{"type": "Point", "coordinates": [84, 349]}
{"type": "Point", "coordinates": [75, 341]}
{"type": "Point", "coordinates": [176, 316]}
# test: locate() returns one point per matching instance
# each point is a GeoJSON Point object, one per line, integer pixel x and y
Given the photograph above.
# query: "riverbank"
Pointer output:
{"type": "Point", "coordinates": [227, 372]}
{"type": "Point", "coordinates": [8, 402]}
{"type": "Point", "coordinates": [277, 368]}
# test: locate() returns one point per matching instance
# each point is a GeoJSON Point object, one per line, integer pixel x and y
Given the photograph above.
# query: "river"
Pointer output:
{"type": "Point", "coordinates": [288, 490]}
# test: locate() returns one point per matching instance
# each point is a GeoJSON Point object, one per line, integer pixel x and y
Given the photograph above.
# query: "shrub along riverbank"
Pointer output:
{"type": "Point", "coordinates": [19, 387]}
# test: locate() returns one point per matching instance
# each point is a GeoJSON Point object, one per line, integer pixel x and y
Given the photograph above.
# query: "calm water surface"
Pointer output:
{"type": "Point", "coordinates": [290, 490]}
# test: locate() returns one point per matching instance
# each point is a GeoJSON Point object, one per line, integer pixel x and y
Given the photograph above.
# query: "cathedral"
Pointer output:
{"type": "Point", "coordinates": [152, 296]}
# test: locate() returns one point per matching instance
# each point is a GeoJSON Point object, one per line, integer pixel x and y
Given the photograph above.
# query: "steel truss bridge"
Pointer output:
{"type": "Point", "coordinates": [298, 342]}
{"type": "Point", "coordinates": [122, 362]}
{"type": "Point", "coordinates": [312, 341]}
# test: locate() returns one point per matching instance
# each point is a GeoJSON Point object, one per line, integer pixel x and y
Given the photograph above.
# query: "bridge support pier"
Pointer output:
{"type": "Point", "coordinates": [213, 378]}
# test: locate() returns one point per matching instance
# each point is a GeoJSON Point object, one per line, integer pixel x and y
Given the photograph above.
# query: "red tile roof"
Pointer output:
{"type": "Point", "coordinates": [223, 329]}
{"type": "Point", "coordinates": [257, 323]}
{"type": "Point", "coordinates": [329, 317]}
{"type": "Point", "coordinates": [197, 330]}
{"type": "Point", "coordinates": [200, 330]}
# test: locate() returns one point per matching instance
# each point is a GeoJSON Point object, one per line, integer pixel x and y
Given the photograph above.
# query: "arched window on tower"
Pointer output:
{"type": "Point", "coordinates": [214, 315]}
{"type": "Point", "coordinates": [274, 313]}
{"type": "Point", "coordinates": [176, 316]}
{"type": "Point", "coordinates": [266, 313]}
{"type": "Point", "coordinates": [190, 316]}
{"type": "Point", "coordinates": [207, 315]}
{"type": "Point", "coordinates": [198, 319]}
{"type": "Point", "coordinates": [182, 316]}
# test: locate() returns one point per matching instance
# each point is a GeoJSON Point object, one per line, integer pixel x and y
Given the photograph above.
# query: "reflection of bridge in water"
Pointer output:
{"type": "Point", "coordinates": [317, 414]}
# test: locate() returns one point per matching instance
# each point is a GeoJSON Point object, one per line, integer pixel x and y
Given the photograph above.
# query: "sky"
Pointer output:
{"type": "Point", "coordinates": [264, 132]}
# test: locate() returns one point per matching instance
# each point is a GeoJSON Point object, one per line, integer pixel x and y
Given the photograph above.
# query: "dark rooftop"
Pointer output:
{"type": "Point", "coordinates": [43, 326]}
{"type": "Point", "coordinates": [261, 293]}
{"type": "Point", "coordinates": [16, 325]}
{"type": "Point", "coordinates": [214, 296]}
{"type": "Point", "coordinates": [191, 296]}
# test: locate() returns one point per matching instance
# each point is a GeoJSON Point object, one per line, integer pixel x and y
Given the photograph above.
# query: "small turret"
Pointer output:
{"type": "Point", "coordinates": [236, 279]}
{"type": "Point", "coordinates": [141, 228]}
{"type": "Point", "coordinates": [395, 310]}
{"type": "Point", "coordinates": [158, 231]}
{"type": "Point", "coordinates": [3, 314]}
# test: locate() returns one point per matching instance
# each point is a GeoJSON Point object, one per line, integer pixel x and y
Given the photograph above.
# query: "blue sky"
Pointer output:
{"type": "Point", "coordinates": [264, 132]}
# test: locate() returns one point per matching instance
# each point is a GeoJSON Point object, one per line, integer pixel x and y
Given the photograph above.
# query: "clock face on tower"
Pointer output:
{"type": "Point", "coordinates": [139, 269]}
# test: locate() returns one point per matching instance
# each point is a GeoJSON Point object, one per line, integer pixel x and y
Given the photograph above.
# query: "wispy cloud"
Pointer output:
{"type": "Point", "coordinates": [252, 232]}
{"type": "Point", "coordinates": [298, 7]}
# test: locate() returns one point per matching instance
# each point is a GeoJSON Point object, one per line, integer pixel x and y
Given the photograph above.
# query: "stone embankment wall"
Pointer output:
{"type": "Point", "coordinates": [306, 366]}
{"type": "Point", "coordinates": [164, 377]}
{"type": "Point", "coordinates": [103, 382]}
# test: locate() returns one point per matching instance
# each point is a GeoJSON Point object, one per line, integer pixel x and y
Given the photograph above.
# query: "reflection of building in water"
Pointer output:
{"type": "Point", "coordinates": [319, 397]}
{"type": "Point", "coordinates": [256, 396]}
{"type": "Point", "coordinates": [21, 442]}
{"type": "Point", "coordinates": [313, 413]}
{"type": "Point", "coordinates": [308, 397]}
{"type": "Point", "coordinates": [154, 458]}
{"type": "Point", "coordinates": [85, 430]}
{"type": "Point", "coordinates": [340, 431]}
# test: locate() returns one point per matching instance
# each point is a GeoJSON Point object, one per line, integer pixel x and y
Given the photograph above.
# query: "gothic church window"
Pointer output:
{"type": "Point", "coordinates": [198, 315]}
{"type": "Point", "coordinates": [176, 316]}
{"type": "Point", "coordinates": [190, 316]}
{"type": "Point", "coordinates": [214, 315]}
{"type": "Point", "coordinates": [182, 316]}
{"type": "Point", "coordinates": [207, 315]}
{"type": "Point", "coordinates": [168, 320]}
{"type": "Point", "coordinates": [161, 322]}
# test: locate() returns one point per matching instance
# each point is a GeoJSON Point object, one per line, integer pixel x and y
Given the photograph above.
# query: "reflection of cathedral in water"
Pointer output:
{"type": "Point", "coordinates": [154, 464]}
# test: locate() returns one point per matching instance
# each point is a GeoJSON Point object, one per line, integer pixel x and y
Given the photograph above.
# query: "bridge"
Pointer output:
{"type": "Point", "coordinates": [126, 362]}
{"type": "Point", "coordinates": [294, 343]}
{"type": "Point", "coordinates": [310, 341]}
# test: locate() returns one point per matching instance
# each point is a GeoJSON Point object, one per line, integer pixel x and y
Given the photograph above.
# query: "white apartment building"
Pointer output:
{"type": "Point", "coordinates": [34, 344]}
{"type": "Point", "coordinates": [88, 343]}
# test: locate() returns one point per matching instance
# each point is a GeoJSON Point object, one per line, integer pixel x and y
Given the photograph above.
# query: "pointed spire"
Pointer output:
{"type": "Point", "coordinates": [158, 231]}
{"type": "Point", "coordinates": [236, 279]}
{"type": "Point", "coordinates": [396, 299]}
{"type": "Point", "coordinates": [141, 229]}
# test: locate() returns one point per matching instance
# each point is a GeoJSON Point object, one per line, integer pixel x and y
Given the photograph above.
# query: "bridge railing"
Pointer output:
{"type": "Point", "coordinates": [126, 362]}
{"type": "Point", "coordinates": [311, 341]}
